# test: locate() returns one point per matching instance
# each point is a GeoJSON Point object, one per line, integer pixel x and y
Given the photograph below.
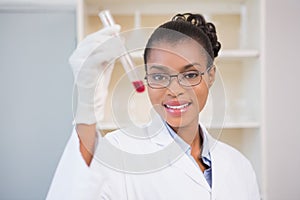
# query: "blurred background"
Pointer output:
{"type": "Point", "coordinates": [257, 72]}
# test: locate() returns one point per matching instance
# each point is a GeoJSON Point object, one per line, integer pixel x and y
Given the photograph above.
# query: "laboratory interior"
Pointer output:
{"type": "Point", "coordinates": [252, 105]}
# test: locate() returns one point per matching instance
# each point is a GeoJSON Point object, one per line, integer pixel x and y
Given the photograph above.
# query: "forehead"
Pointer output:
{"type": "Point", "coordinates": [176, 55]}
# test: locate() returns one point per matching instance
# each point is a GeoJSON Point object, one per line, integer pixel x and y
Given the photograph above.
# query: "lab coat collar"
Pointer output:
{"type": "Point", "coordinates": [158, 132]}
{"type": "Point", "coordinates": [208, 141]}
{"type": "Point", "coordinates": [163, 139]}
{"type": "Point", "coordinates": [186, 165]}
{"type": "Point", "coordinates": [205, 144]}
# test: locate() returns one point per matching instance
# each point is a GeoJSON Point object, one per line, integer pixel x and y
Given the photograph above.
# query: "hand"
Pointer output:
{"type": "Point", "coordinates": [92, 64]}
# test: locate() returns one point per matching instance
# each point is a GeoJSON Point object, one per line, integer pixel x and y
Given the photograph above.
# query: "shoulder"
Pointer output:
{"type": "Point", "coordinates": [220, 151]}
{"type": "Point", "coordinates": [125, 135]}
{"type": "Point", "coordinates": [226, 152]}
{"type": "Point", "coordinates": [226, 155]}
{"type": "Point", "coordinates": [229, 162]}
{"type": "Point", "coordinates": [231, 165]}
{"type": "Point", "coordinates": [137, 140]}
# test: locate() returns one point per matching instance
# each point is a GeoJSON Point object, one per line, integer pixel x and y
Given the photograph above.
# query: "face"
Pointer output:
{"type": "Point", "coordinates": [177, 104]}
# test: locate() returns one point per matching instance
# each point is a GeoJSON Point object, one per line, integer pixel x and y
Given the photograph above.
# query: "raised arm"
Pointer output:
{"type": "Point", "coordinates": [87, 139]}
{"type": "Point", "coordinates": [92, 64]}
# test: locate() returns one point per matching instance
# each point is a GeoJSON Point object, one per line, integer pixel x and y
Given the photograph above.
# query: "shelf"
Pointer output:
{"type": "Point", "coordinates": [229, 125]}
{"type": "Point", "coordinates": [236, 125]}
{"type": "Point", "coordinates": [234, 54]}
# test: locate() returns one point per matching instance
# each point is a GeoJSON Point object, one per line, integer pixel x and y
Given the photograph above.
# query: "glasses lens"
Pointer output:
{"type": "Point", "coordinates": [189, 78]}
{"type": "Point", "coordinates": [158, 80]}
{"type": "Point", "coordinates": [162, 80]}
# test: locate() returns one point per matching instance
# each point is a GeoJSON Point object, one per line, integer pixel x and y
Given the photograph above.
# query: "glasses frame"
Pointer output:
{"type": "Point", "coordinates": [178, 81]}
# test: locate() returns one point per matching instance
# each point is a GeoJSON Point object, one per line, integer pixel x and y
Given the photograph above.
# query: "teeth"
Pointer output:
{"type": "Point", "coordinates": [177, 107]}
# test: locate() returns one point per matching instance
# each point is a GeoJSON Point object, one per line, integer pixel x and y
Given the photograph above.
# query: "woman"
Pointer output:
{"type": "Point", "coordinates": [172, 158]}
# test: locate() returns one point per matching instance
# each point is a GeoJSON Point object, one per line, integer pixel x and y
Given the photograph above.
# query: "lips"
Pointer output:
{"type": "Point", "coordinates": [177, 108]}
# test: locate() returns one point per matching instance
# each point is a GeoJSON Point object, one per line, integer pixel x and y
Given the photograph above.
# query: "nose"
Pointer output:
{"type": "Point", "coordinates": [175, 89]}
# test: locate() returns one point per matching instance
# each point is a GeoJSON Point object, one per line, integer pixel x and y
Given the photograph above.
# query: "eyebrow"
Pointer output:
{"type": "Point", "coordinates": [190, 65]}
{"type": "Point", "coordinates": [160, 67]}
{"type": "Point", "coordinates": [164, 68]}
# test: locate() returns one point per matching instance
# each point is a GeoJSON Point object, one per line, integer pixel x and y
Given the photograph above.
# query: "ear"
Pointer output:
{"type": "Point", "coordinates": [211, 75]}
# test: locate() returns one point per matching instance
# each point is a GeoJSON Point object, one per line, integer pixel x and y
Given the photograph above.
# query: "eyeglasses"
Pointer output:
{"type": "Point", "coordinates": [187, 79]}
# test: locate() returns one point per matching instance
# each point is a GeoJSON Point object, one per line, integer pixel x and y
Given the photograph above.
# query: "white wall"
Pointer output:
{"type": "Point", "coordinates": [35, 99]}
{"type": "Point", "coordinates": [282, 99]}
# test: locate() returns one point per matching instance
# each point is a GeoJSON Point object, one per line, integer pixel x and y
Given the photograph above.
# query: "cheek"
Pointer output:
{"type": "Point", "coordinates": [155, 96]}
{"type": "Point", "coordinates": [200, 96]}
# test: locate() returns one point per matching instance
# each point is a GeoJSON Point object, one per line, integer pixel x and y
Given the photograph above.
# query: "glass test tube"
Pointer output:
{"type": "Point", "coordinates": [107, 20]}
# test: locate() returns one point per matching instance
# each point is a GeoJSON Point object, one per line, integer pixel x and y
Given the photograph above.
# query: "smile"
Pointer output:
{"type": "Point", "coordinates": [177, 107]}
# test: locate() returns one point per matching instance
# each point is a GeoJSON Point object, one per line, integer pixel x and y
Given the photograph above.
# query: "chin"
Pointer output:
{"type": "Point", "coordinates": [178, 120]}
{"type": "Point", "coordinates": [181, 122]}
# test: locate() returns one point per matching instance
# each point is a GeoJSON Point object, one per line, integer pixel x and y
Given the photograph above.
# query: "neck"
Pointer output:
{"type": "Point", "coordinates": [190, 133]}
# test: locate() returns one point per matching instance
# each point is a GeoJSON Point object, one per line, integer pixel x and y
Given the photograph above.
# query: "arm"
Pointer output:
{"type": "Point", "coordinates": [87, 138]}
{"type": "Point", "coordinates": [92, 64]}
{"type": "Point", "coordinates": [71, 170]}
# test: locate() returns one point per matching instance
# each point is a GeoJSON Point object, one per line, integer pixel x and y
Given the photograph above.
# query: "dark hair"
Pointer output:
{"type": "Point", "coordinates": [184, 26]}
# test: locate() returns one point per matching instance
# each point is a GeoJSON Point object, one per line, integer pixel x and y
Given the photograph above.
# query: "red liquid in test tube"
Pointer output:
{"type": "Point", "coordinates": [126, 60]}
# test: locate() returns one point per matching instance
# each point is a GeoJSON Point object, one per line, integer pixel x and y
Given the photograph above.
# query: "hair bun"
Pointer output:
{"type": "Point", "coordinates": [208, 28]}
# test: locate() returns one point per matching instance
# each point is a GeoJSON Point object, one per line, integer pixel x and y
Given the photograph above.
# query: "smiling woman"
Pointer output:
{"type": "Point", "coordinates": [173, 157]}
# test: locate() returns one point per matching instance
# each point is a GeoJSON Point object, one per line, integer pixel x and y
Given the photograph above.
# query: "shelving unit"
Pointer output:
{"type": "Point", "coordinates": [239, 64]}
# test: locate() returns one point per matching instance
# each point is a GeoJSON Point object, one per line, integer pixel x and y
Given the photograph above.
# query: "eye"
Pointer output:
{"type": "Point", "coordinates": [191, 74]}
{"type": "Point", "coordinates": [158, 77]}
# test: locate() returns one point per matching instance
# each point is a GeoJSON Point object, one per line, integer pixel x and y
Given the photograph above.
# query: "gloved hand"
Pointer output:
{"type": "Point", "coordinates": [92, 64]}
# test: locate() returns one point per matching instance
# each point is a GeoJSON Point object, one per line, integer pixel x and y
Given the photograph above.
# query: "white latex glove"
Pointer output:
{"type": "Point", "coordinates": [92, 64]}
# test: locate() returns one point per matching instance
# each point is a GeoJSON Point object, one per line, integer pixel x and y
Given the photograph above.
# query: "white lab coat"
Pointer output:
{"type": "Point", "coordinates": [118, 175]}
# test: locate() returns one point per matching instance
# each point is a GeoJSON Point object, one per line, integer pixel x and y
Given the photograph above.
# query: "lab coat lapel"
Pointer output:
{"type": "Point", "coordinates": [177, 157]}
{"type": "Point", "coordinates": [186, 165]}
{"type": "Point", "coordinates": [220, 166]}
{"type": "Point", "coordinates": [158, 133]}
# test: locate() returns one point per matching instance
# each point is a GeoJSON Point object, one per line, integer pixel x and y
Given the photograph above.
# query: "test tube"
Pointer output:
{"type": "Point", "coordinates": [107, 20]}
